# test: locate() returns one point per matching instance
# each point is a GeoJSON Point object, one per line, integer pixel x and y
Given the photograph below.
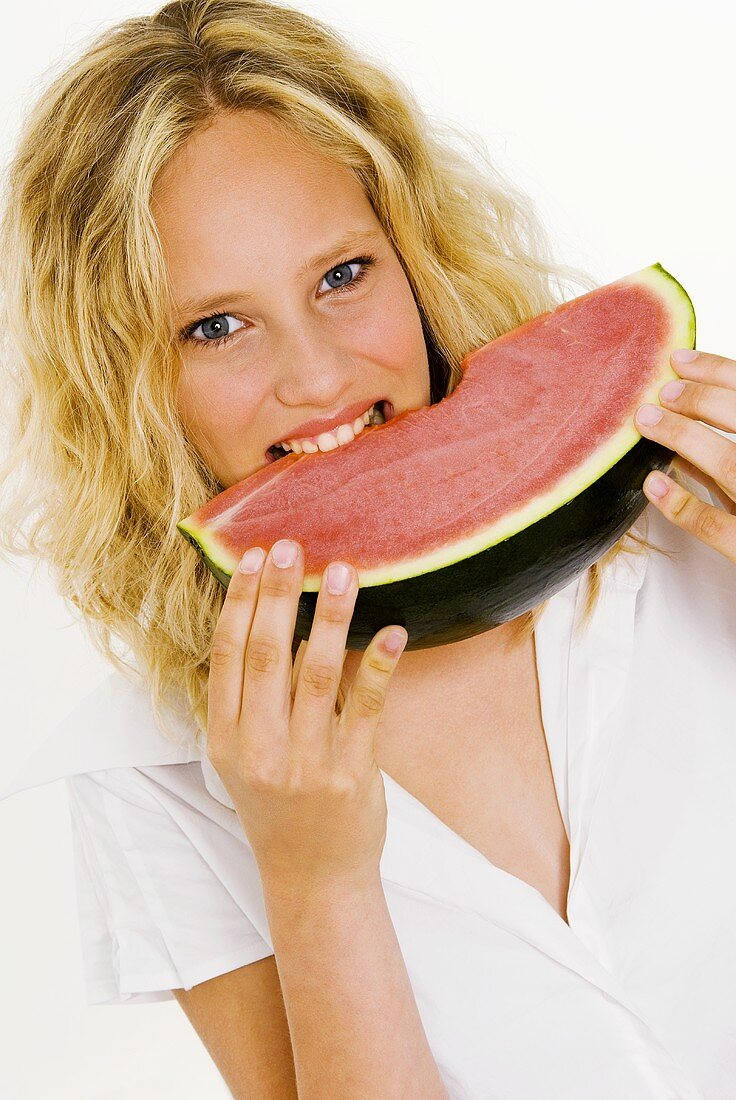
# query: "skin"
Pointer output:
{"type": "Point", "coordinates": [300, 349]}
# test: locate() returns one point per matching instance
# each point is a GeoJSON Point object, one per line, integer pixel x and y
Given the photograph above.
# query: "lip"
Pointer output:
{"type": "Point", "coordinates": [310, 429]}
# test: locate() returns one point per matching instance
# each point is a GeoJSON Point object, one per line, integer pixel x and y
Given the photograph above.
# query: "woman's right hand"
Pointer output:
{"type": "Point", "coordinates": [303, 779]}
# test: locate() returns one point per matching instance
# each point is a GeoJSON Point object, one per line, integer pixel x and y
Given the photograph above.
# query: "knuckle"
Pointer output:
{"type": "Point", "coordinates": [223, 650]}
{"type": "Point", "coordinates": [345, 785]}
{"type": "Point", "coordinates": [277, 584]}
{"type": "Point", "coordinates": [367, 700]}
{"type": "Point", "coordinates": [707, 522]}
{"type": "Point", "coordinates": [703, 520]}
{"type": "Point", "coordinates": [727, 469]}
{"type": "Point", "coordinates": [261, 776]}
{"type": "Point", "coordinates": [237, 592]}
{"type": "Point", "coordinates": [298, 782]}
{"type": "Point", "coordinates": [319, 679]}
{"type": "Point", "coordinates": [261, 655]}
{"type": "Point", "coordinates": [377, 663]}
{"type": "Point", "coordinates": [333, 613]}
{"type": "Point", "coordinates": [697, 399]}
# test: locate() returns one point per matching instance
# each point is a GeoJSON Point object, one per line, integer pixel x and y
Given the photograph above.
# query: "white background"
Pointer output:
{"type": "Point", "coordinates": [620, 124]}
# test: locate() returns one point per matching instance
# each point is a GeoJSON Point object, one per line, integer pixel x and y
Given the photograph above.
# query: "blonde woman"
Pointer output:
{"type": "Point", "coordinates": [481, 870]}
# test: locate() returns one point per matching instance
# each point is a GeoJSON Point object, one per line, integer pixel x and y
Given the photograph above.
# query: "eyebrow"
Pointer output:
{"type": "Point", "coordinates": [197, 306]}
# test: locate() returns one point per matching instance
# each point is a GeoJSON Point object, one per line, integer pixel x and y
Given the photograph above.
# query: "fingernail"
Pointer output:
{"type": "Point", "coordinates": [657, 485]}
{"type": "Point", "coordinates": [283, 553]}
{"type": "Point", "coordinates": [684, 355]}
{"type": "Point", "coordinates": [671, 390]}
{"type": "Point", "coordinates": [252, 560]}
{"type": "Point", "coordinates": [649, 414]}
{"type": "Point", "coordinates": [394, 640]}
{"type": "Point", "coordinates": [338, 578]}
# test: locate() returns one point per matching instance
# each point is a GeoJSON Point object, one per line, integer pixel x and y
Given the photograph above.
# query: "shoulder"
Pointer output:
{"type": "Point", "coordinates": [111, 726]}
{"type": "Point", "coordinates": [168, 888]}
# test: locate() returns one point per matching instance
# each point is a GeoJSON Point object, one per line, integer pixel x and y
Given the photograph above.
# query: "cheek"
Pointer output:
{"type": "Point", "coordinates": [199, 406]}
{"type": "Point", "coordinates": [392, 333]}
{"type": "Point", "coordinates": [216, 416]}
{"type": "Point", "coordinates": [209, 401]}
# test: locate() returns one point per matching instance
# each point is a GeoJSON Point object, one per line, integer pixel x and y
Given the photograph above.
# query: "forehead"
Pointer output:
{"type": "Point", "coordinates": [246, 186]}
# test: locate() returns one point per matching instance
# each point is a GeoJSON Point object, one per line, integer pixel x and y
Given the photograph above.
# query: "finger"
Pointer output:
{"type": "Point", "coordinates": [707, 367]}
{"type": "Point", "coordinates": [227, 651]}
{"type": "Point", "coordinates": [367, 694]}
{"type": "Point", "coordinates": [714, 405]}
{"type": "Point", "coordinates": [321, 667]}
{"type": "Point", "coordinates": [712, 452]}
{"type": "Point", "coordinates": [268, 664]}
{"type": "Point", "coordinates": [691, 471]}
{"type": "Point", "coordinates": [707, 523]}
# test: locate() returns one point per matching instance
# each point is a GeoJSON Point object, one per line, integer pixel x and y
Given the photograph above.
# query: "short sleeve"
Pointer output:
{"type": "Point", "coordinates": [168, 889]}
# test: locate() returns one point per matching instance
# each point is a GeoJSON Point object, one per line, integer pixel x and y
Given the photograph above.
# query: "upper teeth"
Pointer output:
{"type": "Point", "coordinates": [344, 433]}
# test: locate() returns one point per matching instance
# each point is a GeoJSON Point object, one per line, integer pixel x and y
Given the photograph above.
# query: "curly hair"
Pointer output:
{"type": "Point", "coordinates": [99, 467]}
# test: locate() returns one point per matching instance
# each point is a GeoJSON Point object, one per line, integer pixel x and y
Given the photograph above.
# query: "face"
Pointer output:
{"type": "Point", "coordinates": [243, 210]}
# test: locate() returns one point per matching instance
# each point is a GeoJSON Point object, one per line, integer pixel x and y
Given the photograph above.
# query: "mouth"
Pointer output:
{"type": "Point", "coordinates": [383, 407]}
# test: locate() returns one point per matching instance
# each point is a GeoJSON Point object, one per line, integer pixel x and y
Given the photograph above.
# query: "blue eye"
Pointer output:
{"type": "Point", "coordinates": [215, 324]}
{"type": "Point", "coordinates": [339, 272]}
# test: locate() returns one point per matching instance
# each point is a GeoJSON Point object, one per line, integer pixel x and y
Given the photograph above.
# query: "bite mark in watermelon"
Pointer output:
{"type": "Point", "coordinates": [461, 515]}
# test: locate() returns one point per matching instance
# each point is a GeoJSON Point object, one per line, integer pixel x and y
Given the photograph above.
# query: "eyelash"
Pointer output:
{"type": "Point", "coordinates": [187, 333]}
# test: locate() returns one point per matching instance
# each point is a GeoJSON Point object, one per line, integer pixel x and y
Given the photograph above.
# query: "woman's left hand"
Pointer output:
{"type": "Point", "coordinates": [709, 394]}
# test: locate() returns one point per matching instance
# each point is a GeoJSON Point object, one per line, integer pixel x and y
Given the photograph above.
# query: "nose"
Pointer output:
{"type": "Point", "coordinates": [314, 368]}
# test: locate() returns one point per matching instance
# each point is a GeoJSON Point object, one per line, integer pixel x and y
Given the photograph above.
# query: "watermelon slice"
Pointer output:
{"type": "Point", "coordinates": [462, 515]}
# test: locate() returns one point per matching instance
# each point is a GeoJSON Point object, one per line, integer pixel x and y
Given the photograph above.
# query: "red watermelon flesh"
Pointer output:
{"type": "Point", "coordinates": [539, 414]}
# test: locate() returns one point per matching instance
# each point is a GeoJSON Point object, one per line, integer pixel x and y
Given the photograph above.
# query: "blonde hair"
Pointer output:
{"type": "Point", "coordinates": [101, 464]}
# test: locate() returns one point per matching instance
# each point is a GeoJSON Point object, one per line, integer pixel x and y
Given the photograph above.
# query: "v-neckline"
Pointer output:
{"type": "Point", "coordinates": [592, 671]}
{"type": "Point", "coordinates": [554, 726]}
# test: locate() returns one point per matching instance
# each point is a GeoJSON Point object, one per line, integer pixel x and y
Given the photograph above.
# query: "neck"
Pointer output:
{"type": "Point", "coordinates": [453, 666]}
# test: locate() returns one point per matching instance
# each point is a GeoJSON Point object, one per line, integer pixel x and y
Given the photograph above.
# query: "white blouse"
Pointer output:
{"type": "Point", "coordinates": [634, 999]}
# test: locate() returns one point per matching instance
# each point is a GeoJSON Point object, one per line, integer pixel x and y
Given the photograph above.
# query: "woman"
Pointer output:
{"type": "Point", "coordinates": [234, 225]}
